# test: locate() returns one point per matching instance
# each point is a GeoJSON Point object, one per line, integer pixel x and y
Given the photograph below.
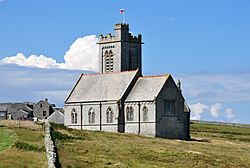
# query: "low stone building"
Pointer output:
{"type": "Point", "coordinates": [43, 109]}
{"type": "Point", "coordinates": [120, 99]}
{"type": "Point", "coordinates": [18, 111]}
{"type": "Point", "coordinates": [3, 113]}
{"type": "Point", "coordinates": [28, 111]}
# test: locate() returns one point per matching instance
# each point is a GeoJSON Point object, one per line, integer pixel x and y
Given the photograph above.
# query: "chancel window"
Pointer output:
{"type": "Point", "coordinates": [91, 115]}
{"type": "Point", "coordinates": [110, 115]}
{"type": "Point", "coordinates": [145, 113]}
{"type": "Point", "coordinates": [168, 108]}
{"type": "Point", "coordinates": [130, 113]}
{"type": "Point", "coordinates": [73, 116]}
{"type": "Point", "coordinates": [109, 61]}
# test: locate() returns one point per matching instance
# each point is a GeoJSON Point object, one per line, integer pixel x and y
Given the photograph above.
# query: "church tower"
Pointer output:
{"type": "Point", "coordinates": [121, 52]}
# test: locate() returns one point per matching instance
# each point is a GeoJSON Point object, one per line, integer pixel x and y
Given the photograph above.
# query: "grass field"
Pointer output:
{"type": "Point", "coordinates": [6, 139]}
{"type": "Point", "coordinates": [21, 145]}
{"type": "Point", "coordinates": [212, 146]}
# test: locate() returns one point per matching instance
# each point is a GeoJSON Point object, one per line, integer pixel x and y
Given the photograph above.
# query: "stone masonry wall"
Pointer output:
{"type": "Point", "coordinates": [50, 147]}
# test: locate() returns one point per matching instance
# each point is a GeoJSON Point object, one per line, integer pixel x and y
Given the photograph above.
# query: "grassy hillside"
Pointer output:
{"type": "Point", "coordinates": [212, 146]}
{"type": "Point", "coordinates": [21, 145]}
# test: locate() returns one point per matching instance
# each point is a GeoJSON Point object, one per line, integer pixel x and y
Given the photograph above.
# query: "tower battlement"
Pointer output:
{"type": "Point", "coordinates": [121, 34]}
{"type": "Point", "coordinates": [107, 38]}
{"type": "Point", "coordinates": [124, 26]}
{"type": "Point", "coordinates": [135, 39]}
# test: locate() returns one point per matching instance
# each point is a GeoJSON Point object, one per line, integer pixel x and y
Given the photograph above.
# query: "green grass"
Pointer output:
{"type": "Point", "coordinates": [212, 146]}
{"type": "Point", "coordinates": [6, 138]}
{"type": "Point", "coordinates": [25, 147]}
{"type": "Point", "coordinates": [221, 131]}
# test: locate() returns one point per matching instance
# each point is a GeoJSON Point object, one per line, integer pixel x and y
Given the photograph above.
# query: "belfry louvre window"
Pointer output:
{"type": "Point", "coordinates": [91, 115]}
{"type": "Point", "coordinates": [109, 61]}
{"type": "Point", "coordinates": [73, 116]}
{"type": "Point", "coordinates": [145, 113]}
{"type": "Point", "coordinates": [130, 113]}
{"type": "Point", "coordinates": [110, 115]}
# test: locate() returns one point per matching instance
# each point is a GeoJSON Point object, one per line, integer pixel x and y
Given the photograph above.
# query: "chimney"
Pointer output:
{"type": "Point", "coordinates": [46, 99]}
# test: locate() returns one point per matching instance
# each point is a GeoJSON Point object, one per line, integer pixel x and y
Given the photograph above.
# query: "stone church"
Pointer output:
{"type": "Point", "coordinates": [120, 99]}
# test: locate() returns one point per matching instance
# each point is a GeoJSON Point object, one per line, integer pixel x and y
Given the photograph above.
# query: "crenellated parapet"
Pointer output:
{"type": "Point", "coordinates": [107, 38]}
{"type": "Point", "coordinates": [121, 35]}
{"type": "Point", "coordinates": [135, 39]}
{"type": "Point", "coordinates": [121, 26]}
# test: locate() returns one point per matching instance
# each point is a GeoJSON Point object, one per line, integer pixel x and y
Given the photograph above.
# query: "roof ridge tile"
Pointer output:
{"type": "Point", "coordinates": [109, 73]}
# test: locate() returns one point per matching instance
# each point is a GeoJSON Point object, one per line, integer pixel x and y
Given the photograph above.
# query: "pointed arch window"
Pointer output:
{"type": "Point", "coordinates": [130, 113]}
{"type": "Point", "coordinates": [109, 60]}
{"type": "Point", "coordinates": [110, 115]}
{"type": "Point", "coordinates": [127, 113]}
{"type": "Point", "coordinates": [91, 115]}
{"type": "Point", "coordinates": [145, 113]}
{"type": "Point", "coordinates": [73, 116]}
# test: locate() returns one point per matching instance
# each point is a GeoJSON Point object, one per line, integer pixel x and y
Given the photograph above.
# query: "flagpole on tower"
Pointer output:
{"type": "Point", "coordinates": [123, 18]}
{"type": "Point", "coordinates": [123, 15]}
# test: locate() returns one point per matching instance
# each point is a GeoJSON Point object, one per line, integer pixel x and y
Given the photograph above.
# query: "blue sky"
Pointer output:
{"type": "Point", "coordinates": [204, 43]}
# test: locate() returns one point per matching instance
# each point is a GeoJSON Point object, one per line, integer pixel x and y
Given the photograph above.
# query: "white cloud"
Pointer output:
{"type": "Point", "coordinates": [82, 55]}
{"type": "Point", "coordinates": [215, 110]}
{"type": "Point", "coordinates": [31, 61]}
{"type": "Point", "coordinates": [196, 110]}
{"type": "Point", "coordinates": [216, 87]}
{"type": "Point", "coordinates": [229, 113]}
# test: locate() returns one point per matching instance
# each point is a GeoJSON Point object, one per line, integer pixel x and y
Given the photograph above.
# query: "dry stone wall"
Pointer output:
{"type": "Point", "coordinates": [50, 147]}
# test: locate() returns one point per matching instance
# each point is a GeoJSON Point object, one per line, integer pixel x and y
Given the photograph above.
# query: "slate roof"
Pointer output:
{"type": "Point", "coordinates": [59, 109]}
{"type": "Point", "coordinates": [23, 111]}
{"type": "Point", "coordinates": [16, 107]}
{"type": "Point", "coordinates": [186, 107]}
{"type": "Point", "coordinates": [3, 109]}
{"type": "Point", "coordinates": [147, 88]}
{"type": "Point", "coordinates": [101, 87]}
{"type": "Point", "coordinates": [57, 117]}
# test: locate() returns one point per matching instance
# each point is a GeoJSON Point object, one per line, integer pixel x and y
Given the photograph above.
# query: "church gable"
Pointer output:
{"type": "Point", "coordinates": [171, 119]}
{"type": "Point", "coordinates": [101, 87]}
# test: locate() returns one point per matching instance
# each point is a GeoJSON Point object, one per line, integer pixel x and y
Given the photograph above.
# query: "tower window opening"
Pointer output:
{"type": "Point", "coordinates": [109, 61]}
